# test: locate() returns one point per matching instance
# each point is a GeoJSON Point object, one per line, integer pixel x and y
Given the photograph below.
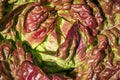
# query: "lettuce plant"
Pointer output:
{"type": "Point", "coordinates": [60, 40]}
